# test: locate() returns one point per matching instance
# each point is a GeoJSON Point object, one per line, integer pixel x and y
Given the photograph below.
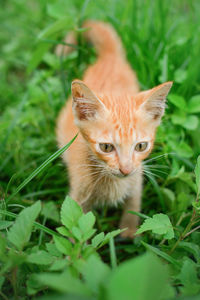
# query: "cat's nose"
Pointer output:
{"type": "Point", "coordinates": [125, 170]}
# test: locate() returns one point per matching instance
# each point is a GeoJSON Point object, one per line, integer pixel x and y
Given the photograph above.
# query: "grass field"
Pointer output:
{"type": "Point", "coordinates": [162, 42]}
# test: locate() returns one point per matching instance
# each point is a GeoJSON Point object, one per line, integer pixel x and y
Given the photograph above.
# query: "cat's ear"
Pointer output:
{"type": "Point", "coordinates": [86, 106]}
{"type": "Point", "coordinates": [154, 101]}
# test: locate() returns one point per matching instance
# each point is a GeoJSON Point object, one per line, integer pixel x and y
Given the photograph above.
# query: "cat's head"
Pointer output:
{"type": "Point", "coordinates": [119, 130]}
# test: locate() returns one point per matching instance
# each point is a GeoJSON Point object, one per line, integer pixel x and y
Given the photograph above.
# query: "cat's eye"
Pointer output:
{"type": "Point", "coordinates": [140, 147]}
{"type": "Point", "coordinates": [107, 148]}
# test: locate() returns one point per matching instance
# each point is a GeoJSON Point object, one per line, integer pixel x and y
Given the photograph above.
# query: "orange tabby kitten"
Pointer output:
{"type": "Point", "coordinates": [117, 126]}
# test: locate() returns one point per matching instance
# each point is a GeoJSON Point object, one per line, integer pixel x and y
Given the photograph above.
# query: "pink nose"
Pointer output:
{"type": "Point", "coordinates": [125, 170]}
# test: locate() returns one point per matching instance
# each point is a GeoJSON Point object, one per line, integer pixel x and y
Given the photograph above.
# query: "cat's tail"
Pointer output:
{"type": "Point", "coordinates": [100, 34]}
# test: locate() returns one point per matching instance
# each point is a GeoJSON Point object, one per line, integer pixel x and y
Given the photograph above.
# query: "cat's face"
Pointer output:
{"type": "Point", "coordinates": [120, 131]}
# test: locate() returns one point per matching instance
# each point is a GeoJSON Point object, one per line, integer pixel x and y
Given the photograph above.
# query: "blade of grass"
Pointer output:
{"type": "Point", "coordinates": [36, 224]}
{"type": "Point", "coordinates": [138, 214]}
{"type": "Point", "coordinates": [164, 255]}
{"type": "Point", "coordinates": [113, 257]}
{"type": "Point", "coordinates": [40, 168]}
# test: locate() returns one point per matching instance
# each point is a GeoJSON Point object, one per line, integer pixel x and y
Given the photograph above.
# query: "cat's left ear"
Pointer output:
{"type": "Point", "coordinates": [86, 105]}
{"type": "Point", "coordinates": [154, 101]}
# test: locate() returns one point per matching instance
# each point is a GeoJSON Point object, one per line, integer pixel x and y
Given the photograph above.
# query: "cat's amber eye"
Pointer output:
{"type": "Point", "coordinates": [107, 148]}
{"type": "Point", "coordinates": [140, 147]}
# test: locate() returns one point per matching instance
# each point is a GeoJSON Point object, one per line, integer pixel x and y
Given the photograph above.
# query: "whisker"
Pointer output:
{"type": "Point", "coordinates": [159, 156]}
{"type": "Point", "coordinates": [150, 173]}
{"type": "Point", "coordinates": [157, 170]}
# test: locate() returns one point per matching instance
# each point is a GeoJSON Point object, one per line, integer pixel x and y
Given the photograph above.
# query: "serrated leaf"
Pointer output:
{"type": "Point", "coordinates": [50, 211]}
{"type": "Point", "coordinates": [98, 239]}
{"type": "Point", "coordinates": [63, 245]}
{"type": "Point", "coordinates": [86, 221]}
{"type": "Point", "coordinates": [64, 231]}
{"type": "Point", "coordinates": [40, 258]}
{"type": "Point", "coordinates": [110, 235]}
{"type": "Point", "coordinates": [77, 233]}
{"type": "Point", "coordinates": [158, 224]}
{"type": "Point", "coordinates": [70, 213]}
{"type": "Point", "coordinates": [51, 248]}
{"type": "Point", "coordinates": [19, 234]}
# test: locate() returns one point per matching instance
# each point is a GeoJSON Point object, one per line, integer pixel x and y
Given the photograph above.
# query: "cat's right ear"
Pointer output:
{"type": "Point", "coordinates": [86, 106]}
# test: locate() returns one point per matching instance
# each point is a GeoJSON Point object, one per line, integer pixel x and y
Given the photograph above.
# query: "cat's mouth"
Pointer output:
{"type": "Point", "coordinates": [120, 175]}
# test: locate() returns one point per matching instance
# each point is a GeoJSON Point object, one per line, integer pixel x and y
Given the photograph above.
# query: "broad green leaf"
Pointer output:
{"type": "Point", "coordinates": [178, 118]}
{"type": "Point", "coordinates": [63, 245]}
{"type": "Point", "coordinates": [177, 100]}
{"type": "Point", "coordinates": [40, 258]}
{"type": "Point", "coordinates": [98, 239]}
{"type": "Point", "coordinates": [59, 265]}
{"type": "Point", "coordinates": [64, 231]}
{"type": "Point", "coordinates": [142, 278]}
{"type": "Point", "coordinates": [87, 235]}
{"type": "Point", "coordinates": [70, 213]}
{"type": "Point", "coordinates": [184, 150]}
{"type": "Point", "coordinates": [180, 75]}
{"type": "Point", "coordinates": [52, 249]}
{"type": "Point", "coordinates": [158, 224]}
{"type": "Point", "coordinates": [95, 279]}
{"type": "Point", "coordinates": [19, 234]}
{"type": "Point", "coordinates": [194, 104]}
{"type": "Point", "coordinates": [86, 221]}
{"type": "Point", "coordinates": [37, 56]}
{"type": "Point", "coordinates": [77, 233]}
{"type": "Point", "coordinates": [189, 279]}
{"type": "Point", "coordinates": [36, 224]}
{"type": "Point", "coordinates": [64, 283]}
{"type": "Point", "coordinates": [5, 224]}
{"type": "Point", "coordinates": [191, 122]}
{"type": "Point", "coordinates": [60, 10]}
{"type": "Point", "coordinates": [50, 211]}
{"type": "Point", "coordinates": [197, 174]}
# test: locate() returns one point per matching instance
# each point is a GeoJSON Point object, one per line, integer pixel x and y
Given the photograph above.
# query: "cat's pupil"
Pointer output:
{"type": "Point", "coordinates": [106, 147]}
{"type": "Point", "coordinates": [141, 146]}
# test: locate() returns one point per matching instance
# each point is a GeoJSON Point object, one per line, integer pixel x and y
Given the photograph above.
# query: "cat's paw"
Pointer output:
{"type": "Point", "coordinates": [128, 233]}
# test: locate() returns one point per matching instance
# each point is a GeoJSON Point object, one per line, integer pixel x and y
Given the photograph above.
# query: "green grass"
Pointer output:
{"type": "Point", "coordinates": [162, 42]}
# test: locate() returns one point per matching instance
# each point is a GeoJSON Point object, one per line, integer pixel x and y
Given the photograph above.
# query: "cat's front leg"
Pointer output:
{"type": "Point", "coordinates": [129, 220]}
{"type": "Point", "coordinates": [132, 203]}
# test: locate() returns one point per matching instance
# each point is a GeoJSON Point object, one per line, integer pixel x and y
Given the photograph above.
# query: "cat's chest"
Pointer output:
{"type": "Point", "coordinates": [112, 191]}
